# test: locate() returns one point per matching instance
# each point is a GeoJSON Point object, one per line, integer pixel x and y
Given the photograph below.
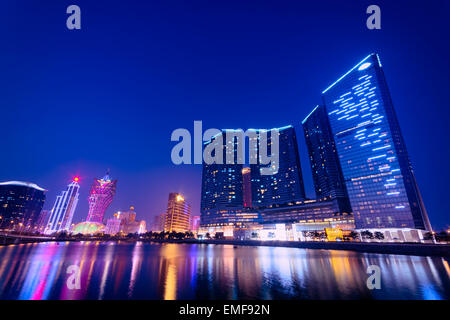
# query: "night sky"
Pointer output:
{"type": "Point", "coordinates": [77, 102]}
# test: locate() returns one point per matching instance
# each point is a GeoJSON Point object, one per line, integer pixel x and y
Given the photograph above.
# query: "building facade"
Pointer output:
{"type": "Point", "coordinates": [311, 211]}
{"type": "Point", "coordinates": [287, 184]}
{"type": "Point", "coordinates": [178, 214]}
{"type": "Point", "coordinates": [125, 222]}
{"type": "Point", "coordinates": [62, 213]}
{"type": "Point", "coordinates": [20, 205]}
{"type": "Point", "coordinates": [100, 197]}
{"type": "Point", "coordinates": [375, 165]}
{"type": "Point", "coordinates": [326, 170]}
{"type": "Point", "coordinates": [222, 189]}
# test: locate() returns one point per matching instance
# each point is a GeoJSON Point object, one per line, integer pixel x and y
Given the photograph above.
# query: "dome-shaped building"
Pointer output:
{"type": "Point", "coordinates": [88, 228]}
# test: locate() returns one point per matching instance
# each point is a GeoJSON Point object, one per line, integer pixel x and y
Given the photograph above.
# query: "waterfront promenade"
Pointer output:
{"type": "Point", "coordinates": [415, 249]}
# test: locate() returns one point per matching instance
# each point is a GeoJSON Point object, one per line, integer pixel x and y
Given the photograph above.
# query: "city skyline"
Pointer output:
{"type": "Point", "coordinates": [184, 73]}
{"type": "Point", "coordinates": [103, 190]}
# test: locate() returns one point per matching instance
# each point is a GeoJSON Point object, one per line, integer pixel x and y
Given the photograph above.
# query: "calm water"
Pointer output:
{"type": "Point", "coordinates": [188, 271]}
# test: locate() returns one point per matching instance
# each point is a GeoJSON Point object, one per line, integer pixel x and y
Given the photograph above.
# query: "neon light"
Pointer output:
{"type": "Point", "coordinates": [390, 184]}
{"type": "Point", "coordinates": [380, 148]}
{"type": "Point", "coordinates": [376, 157]}
{"type": "Point", "coordinates": [304, 120]}
{"type": "Point", "coordinates": [379, 61]}
{"type": "Point", "coordinates": [364, 66]}
{"type": "Point", "coordinates": [100, 197]}
{"type": "Point", "coordinates": [346, 74]}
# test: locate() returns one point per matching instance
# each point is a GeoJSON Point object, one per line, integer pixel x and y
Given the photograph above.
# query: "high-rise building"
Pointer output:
{"type": "Point", "coordinates": [62, 213]}
{"type": "Point", "coordinates": [20, 204]}
{"type": "Point", "coordinates": [375, 165]}
{"type": "Point", "coordinates": [222, 189]}
{"type": "Point", "coordinates": [247, 187]}
{"type": "Point", "coordinates": [100, 197]}
{"type": "Point", "coordinates": [325, 167]}
{"type": "Point", "coordinates": [178, 214]}
{"type": "Point", "coordinates": [326, 170]}
{"type": "Point", "coordinates": [287, 184]}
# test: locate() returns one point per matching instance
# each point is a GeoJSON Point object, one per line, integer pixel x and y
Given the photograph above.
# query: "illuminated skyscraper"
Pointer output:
{"type": "Point", "coordinates": [63, 209]}
{"type": "Point", "coordinates": [326, 170]}
{"type": "Point", "coordinates": [100, 197]}
{"type": "Point", "coordinates": [222, 190]}
{"type": "Point", "coordinates": [20, 204]}
{"type": "Point", "coordinates": [376, 168]}
{"type": "Point", "coordinates": [178, 214]}
{"type": "Point", "coordinates": [287, 184]}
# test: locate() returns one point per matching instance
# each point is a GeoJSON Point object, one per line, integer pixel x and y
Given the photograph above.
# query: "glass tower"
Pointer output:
{"type": "Point", "coordinates": [287, 184]}
{"type": "Point", "coordinates": [20, 204]}
{"type": "Point", "coordinates": [222, 191]}
{"type": "Point", "coordinates": [376, 168]}
{"type": "Point", "coordinates": [326, 170]}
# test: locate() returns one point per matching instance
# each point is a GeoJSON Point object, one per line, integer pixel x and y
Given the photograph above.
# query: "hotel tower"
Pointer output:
{"type": "Point", "coordinates": [372, 154]}
{"type": "Point", "coordinates": [178, 215]}
{"type": "Point", "coordinates": [62, 213]}
{"type": "Point", "coordinates": [100, 197]}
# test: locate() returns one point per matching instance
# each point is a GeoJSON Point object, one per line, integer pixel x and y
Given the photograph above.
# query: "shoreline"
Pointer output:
{"type": "Point", "coordinates": [411, 249]}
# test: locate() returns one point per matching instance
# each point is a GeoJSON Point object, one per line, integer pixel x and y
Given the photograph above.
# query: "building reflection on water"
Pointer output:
{"type": "Point", "coordinates": [110, 270]}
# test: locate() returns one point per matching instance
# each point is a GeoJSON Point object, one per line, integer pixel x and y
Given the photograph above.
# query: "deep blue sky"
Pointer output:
{"type": "Point", "coordinates": [109, 95]}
